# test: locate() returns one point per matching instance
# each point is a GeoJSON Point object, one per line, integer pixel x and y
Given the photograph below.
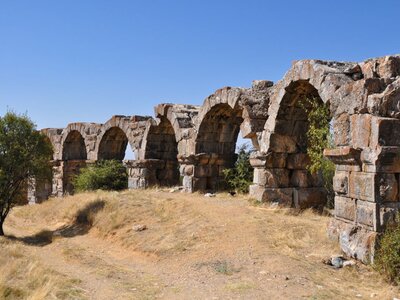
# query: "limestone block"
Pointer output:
{"type": "Point", "coordinates": [344, 156]}
{"type": "Point", "coordinates": [187, 183]}
{"type": "Point", "coordinates": [282, 143]}
{"type": "Point", "coordinates": [284, 127]}
{"type": "Point", "coordinates": [297, 161]}
{"type": "Point", "coordinates": [341, 182]}
{"type": "Point", "coordinates": [362, 186]}
{"type": "Point", "coordinates": [367, 214]}
{"type": "Point", "coordinates": [341, 130]}
{"type": "Point", "coordinates": [282, 196]}
{"type": "Point", "coordinates": [355, 241]}
{"type": "Point", "coordinates": [360, 125]}
{"type": "Point", "coordinates": [303, 178]}
{"type": "Point", "coordinates": [380, 187]}
{"type": "Point", "coordinates": [387, 187]}
{"type": "Point", "coordinates": [345, 208]}
{"type": "Point", "coordinates": [309, 197]}
{"type": "Point", "coordinates": [385, 132]}
{"type": "Point", "coordinates": [271, 177]}
{"type": "Point", "coordinates": [269, 160]}
{"type": "Point", "coordinates": [385, 159]}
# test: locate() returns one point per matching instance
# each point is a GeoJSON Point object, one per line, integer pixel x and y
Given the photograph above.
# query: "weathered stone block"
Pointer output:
{"type": "Point", "coordinates": [282, 196]}
{"type": "Point", "coordinates": [385, 132]}
{"type": "Point", "coordinates": [345, 208]}
{"type": "Point", "coordinates": [298, 161]}
{"type": "Point", "coordinates": [360, 125]}
{"type": "Point", "coordinates": [302, 178]}
{"type": "Point", "coordinates": [341, 130]}
{"type": "Point", "coordinates": [367, 214]}
{"type": "Point", "coordinates": [282, 143]}
{"type": "Point", "coordinates": [362, 186]}
{"type": "Point", "coordinates": [269, 160]}
{"type": "Point", "coordinates": [355, 241]}
{"type": "Point", "coordinates": [387, 187]}
{"type": "Point", "coordinates": [309, 197]}
{"type": "Point", "coordinates": [271, 177]}
{"type": "Point", "coordinates": [341, 182]}
{"type": "Point", "coordinates": [373, 187]}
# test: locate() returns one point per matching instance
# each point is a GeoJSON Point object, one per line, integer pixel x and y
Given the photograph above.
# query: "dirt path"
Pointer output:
{"type": "Point", "coordinates": [208, 249]}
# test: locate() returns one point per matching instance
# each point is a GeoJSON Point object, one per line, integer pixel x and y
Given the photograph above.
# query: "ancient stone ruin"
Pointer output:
{"type": "Point", "coordinates": [191, 145]}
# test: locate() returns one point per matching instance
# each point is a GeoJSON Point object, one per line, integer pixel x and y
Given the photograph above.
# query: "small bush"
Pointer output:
{"type": "Point", "coordinates": [103, 175]}
{"type": "Point", "coordinates": [387, 257]}
{"type": "Point", "coordinates": [240, 177]}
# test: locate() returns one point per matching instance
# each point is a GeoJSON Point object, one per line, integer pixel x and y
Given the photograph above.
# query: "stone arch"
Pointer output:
{"type": "Point", "coordinates": [160, 152]}
{"type": "Point", "coordinates": [74, 156]}
{"type": "Point", "coordinates": [74, 146]}
{"type": "Point", "coordinates": [113, 144]}
{"type": "Point", "coordinates": [116, 134]}
{"type": "Point", "coordinates": [281, 171]}
{"type": "Point", "coordinates": [220, 120]}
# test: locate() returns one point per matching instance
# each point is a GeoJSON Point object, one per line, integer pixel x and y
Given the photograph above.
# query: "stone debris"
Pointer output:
{"type": "Point", "coordinates": [338, 261]}
{"type": "Point", "coordinates": [209, 195]}
{"type": "Point", "coordinates": [139, 227]}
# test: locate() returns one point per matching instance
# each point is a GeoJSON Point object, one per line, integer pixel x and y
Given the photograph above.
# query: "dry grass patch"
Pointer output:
{"type": "Point", "coordinates": [23, 277]}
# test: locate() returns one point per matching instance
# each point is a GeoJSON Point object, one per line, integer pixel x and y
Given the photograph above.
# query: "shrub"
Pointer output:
{"type": "Point", "coordinates": [103, 175]}
{"type": "Point", "coordinates": [240, 177]}
{"type": "Point", "coordinates": [387, 256]}
{"type": "Point", "coordinates": [319, 137]}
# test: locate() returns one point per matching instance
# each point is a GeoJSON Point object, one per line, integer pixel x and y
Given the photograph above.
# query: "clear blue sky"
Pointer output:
{"type": "Point", "coordinates": [79, 60]}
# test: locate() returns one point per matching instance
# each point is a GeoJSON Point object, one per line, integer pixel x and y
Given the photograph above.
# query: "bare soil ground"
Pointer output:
{"type": "Point", "coordinates": [89, 247]}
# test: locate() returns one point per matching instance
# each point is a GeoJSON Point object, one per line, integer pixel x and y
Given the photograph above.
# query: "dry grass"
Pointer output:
{"type": "Point", "coordinates": [23, 277]}
{"type": "Point", "coordinates": [224, 241]}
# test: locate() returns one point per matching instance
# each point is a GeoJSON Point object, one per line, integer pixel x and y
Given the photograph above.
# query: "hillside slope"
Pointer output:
{"type": "Point", "coordinates": [155, 244]}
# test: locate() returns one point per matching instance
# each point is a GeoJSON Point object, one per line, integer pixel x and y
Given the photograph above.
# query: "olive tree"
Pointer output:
{"type": "Point", "coordinates": [24, 153]}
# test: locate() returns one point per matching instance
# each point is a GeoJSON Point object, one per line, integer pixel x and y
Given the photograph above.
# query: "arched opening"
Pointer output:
{"type": "Point", "coordinates": [74, 147]}
{"type": "Point", "coordinates": [216, 142]}
{"type": "Point", "coordinates": [113, 144]}
{"type": "Point", "coordinates": [302, 124]}
{"type": "Point", "coordinates": [74, 157]}
{"type": "Point", "coordinates": [161, 145]}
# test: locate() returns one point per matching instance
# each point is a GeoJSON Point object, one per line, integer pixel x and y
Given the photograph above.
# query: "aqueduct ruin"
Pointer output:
{"type": "Point", "coordinates": [195, 143]}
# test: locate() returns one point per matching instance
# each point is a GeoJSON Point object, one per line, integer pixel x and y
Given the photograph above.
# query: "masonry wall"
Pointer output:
{"type": "Point", "coordinates": [192, 145]}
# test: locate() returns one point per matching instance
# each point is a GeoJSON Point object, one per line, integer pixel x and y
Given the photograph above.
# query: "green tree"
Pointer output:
{"type": "Point", "coordinates": [319, 137]}
{"type": "Point", "coordinates": [240, 177]}
{"type": "Point", "coordinates": [103, 175]}
{"type": "Point", "coordinates": [24, 152]}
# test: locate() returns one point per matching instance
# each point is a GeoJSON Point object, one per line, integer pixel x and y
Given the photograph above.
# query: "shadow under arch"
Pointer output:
{"type": "Point", "coordinates": [161, 146]}
{"type": "Point", "coordinates": [215, 144]}
{"type": "Point", "coordinates": [113, 144]}
{"type": "Point", "coordinates": [74, 157]}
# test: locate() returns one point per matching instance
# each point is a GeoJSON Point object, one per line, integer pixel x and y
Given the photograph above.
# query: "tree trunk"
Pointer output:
{"type": "Point", "coordinates": [1, 228]}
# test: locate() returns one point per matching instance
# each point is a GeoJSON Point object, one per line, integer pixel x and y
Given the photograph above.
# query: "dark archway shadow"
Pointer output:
{"type": "Point", "coordinates": [81, 225]}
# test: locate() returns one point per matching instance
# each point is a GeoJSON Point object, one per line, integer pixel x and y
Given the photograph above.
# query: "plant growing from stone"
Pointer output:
{"type": "Point", "coordinates": [103, 175]}
{"type": "Point", "coordinates": [319, 137]}
{"type": "Point", "coordinates": [240, 177]}
{"type": "Point", "coordinates": [24, 153]}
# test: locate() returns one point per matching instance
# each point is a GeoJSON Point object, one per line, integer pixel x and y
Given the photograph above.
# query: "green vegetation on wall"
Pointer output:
{"type": "Point", "coordinates": [319, 137]}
